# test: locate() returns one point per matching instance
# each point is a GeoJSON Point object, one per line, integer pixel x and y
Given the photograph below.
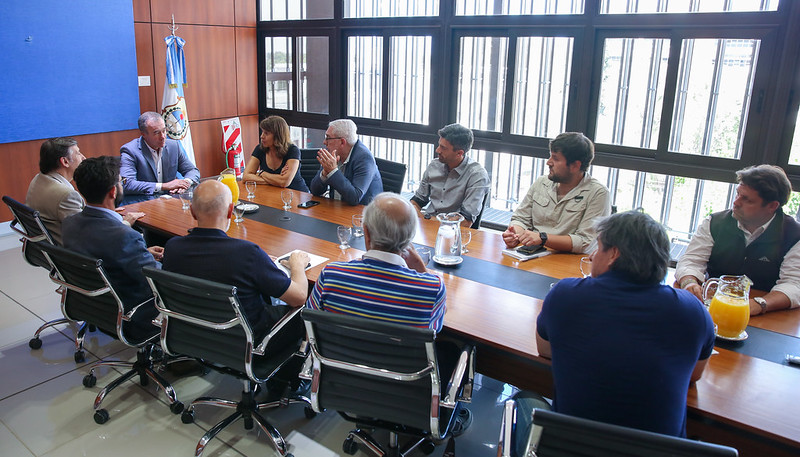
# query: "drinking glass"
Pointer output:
{"type": "Point", "coordinates": [586, 266]}
{"type": "Point", "coordinates": [466, 237]}
{"type": "Point", "coordinates": [186, 199]}
{"type": "Point", "coordinates": [251, 189]}
{"type": "Point", "coordinates": [286, 197]}
{"type": "Point", "coordinates": [358, 225]}
{"type": "Point", "coordinates": [238, 212]}
{"type": "Point", "coordinates": [343, 232]}
{"type": "Point", "coordinates": [424, 254]}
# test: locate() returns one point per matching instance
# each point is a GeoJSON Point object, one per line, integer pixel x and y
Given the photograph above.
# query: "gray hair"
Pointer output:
{"type": "Point", "coordinates": [391, 222]}
{"type": "Point", "coordinates": [344, 128]}
{"type": "Point", "coordinates": [147, 117]}
{"type": "Point", "coordinates": [642, 243]}
{"type": "Point", "coordinates": [458, 136]}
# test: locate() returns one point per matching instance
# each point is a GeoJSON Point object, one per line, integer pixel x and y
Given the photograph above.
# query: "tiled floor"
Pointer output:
{"type": "Point", "coordinates": [46, 411]}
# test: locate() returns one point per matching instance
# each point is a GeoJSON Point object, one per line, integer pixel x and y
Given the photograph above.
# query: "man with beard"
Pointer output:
{"type": "Point", "coordinates": [755, 238]}
{"type": "Point", "coordinates": [559, 209]}
{"type": "Point", "coordinates": [98, 231]}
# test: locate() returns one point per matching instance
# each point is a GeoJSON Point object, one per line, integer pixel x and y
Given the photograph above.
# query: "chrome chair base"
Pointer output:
{"type": "Point", "coordinates": [80, 355]}
{"type": "Point", "coordinates": [143, 367]}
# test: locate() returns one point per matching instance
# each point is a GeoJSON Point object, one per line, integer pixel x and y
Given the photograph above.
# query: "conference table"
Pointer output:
{"type": "Point", "coordinates": [748, 397]}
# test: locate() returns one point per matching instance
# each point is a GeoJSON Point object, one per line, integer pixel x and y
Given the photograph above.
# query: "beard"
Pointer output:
{"type": "Point", "coordinates": [553, 176]}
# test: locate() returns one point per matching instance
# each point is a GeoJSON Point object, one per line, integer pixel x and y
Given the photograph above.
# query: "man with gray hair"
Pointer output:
{"type": "Point", "coordinates": [625, 347]}
{"type": "Point", "coordinates": [348, 170]}
{"type": "Point", "coordinates": [207, 252]}
{"type": "Point", "coordinates": [390, 282]}
{"type": "Point", "coordinates": [150, 163]}
{"type": "Point", "coordinates": [454, 182]}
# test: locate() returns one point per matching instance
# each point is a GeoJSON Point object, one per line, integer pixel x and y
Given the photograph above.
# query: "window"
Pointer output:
{"type": "Point", "coordinates": [632, 91]}
{"type": "Point", "coordinates": [514, 7]}
{"type": "Point", "coordinates": [686, 6]}
{"type": "Point", "coordinates": [482, 83]}
{"type": "Point", "coordinates": [278, 62]}
{"type": "Point", "coordinates": [311, 77]}
{"type": "Point", "coordinates": [410, 79]}
{"type": "Point", "coordinates": [292, 10]}
{"type": "Point", "coordinates": [390, 8]}
{"type": "Point", "coordinates": [414, 154]}
{"type": "Point", "coordinates": [313, 85]}
{"type": "Point", "coordinates": [364, 77]}
{"type": "Point", "coordinates": [794, 153]}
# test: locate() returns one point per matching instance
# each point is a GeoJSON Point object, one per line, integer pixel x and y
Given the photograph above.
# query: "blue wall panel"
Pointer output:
{"type": "Point", "coordinates": [67, 67]}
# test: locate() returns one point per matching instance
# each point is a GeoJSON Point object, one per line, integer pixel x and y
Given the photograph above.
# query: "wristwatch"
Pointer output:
{"type": "Point", "coordinates": [762, 303]}
{"type": "Point", "coordinates": [543, 237]}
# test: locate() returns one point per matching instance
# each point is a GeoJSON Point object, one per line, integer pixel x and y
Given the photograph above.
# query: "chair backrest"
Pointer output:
{"type": "Point", "coordinates": [476, 224]}
{"type": "Point", "coordinates": [309, 165]}
{"type": "Point", "coordinates": [392, 174]}
{"type": "Point", "coordinates": [89, 295]}
{"type": "Point", "coordinates": [32, 231]}
{"type": "Point", "coordinates": [203, 319]}
{"type": "Point", "coordinates": [565, 436]}
{"type": "Point", "coordinates": [374, 369]}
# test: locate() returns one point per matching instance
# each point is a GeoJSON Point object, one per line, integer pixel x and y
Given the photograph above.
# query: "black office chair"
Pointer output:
{"type": "Point", "coordinates": [32, 232]}
{"type": "Point", "coordinates": [392, 174]}
{"type": "Point", "coordinates": [309, 165]}
{"type": "Point", "coordinates": [203, 319]}
{"type": "Point", "coordinates": [384, 375]}
{"type": "Point", "coordinates": [90, 297]}
{"type": "Point", "coordinates": [549, 434]}
{"type": "Point", "coordinates": [476, 224]}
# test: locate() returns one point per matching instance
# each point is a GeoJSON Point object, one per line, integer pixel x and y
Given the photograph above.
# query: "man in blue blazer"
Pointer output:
{"type": "Point", "coordinates": [151, 163]}
{"type": "Point", "coordinates": [348, 167]}
{"type": "Point", "coordinates": [99, 232]}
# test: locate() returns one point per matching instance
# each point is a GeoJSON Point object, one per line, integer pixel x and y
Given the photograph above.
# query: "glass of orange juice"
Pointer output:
{"type": "Point", "coordinates": [229, 179]}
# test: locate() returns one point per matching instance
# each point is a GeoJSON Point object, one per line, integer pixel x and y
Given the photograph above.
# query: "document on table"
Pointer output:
{"type": "Point", "coordinates": [313, 261]}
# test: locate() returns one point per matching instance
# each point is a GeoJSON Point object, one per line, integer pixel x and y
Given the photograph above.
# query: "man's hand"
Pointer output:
{"type": "Point", "coordinates": [328, 160]}
{"type": "Point", "coordinates": [696, 290]}
{"type": "Point", "coordinates": [131, 217]}
{"type": "Point", "coordinates": [530, 238]}
{"type": "Point", "coordinates": [175, 186]}
{"type": "Point", "coordinates": [157, 251]}
{"type": "Point", "coordinates": [511, 236]}
{"type": "Point", "coordinates": [413, 260]}
{"type": "Point", "coordinates": [298, 261]}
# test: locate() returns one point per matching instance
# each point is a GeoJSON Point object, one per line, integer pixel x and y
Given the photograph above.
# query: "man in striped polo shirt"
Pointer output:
{"type": "Point", "coordinates": [390, 282]}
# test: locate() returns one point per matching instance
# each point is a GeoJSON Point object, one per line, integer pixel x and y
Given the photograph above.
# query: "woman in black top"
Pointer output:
{"type": "Point", "coordinates": [276, 161]}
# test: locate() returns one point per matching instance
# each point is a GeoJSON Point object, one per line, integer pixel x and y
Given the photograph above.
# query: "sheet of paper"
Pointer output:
{"type": "Point", "coordinates": [313, 261]}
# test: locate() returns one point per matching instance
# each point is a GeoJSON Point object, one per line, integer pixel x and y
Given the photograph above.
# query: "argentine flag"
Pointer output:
{"type": "Point", "coordinates": [173, 105]}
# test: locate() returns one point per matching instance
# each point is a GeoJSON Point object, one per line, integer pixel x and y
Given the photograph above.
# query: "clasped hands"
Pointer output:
{"type": "Point", "coordinates": [515, 236]}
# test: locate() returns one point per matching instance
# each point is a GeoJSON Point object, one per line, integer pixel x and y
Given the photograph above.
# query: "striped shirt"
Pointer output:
{"type": "Point", "coordinates": [380, 290]}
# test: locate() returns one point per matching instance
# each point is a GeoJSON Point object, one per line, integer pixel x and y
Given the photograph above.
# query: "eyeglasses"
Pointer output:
{"type": "Point", "coordinates": [123, 180]}
{"type": "Point", "coordinates": [328, 138]}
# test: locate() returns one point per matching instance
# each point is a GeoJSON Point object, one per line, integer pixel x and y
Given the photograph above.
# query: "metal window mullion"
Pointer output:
{"type": "Point", "coordinates": [545, 83]}
{"type": "Point", "coordinates": [621, 108]}
{"type": "Point", "coordinates": [294, 96]}
{"type": "Point", "coordinates": [567, 71]}
{"type": "Point", "coordinates": [713, 99]}
{"type": "Point", "coordinates": [652, 92]}
{"type": "Point", "coordinates": [381, 104]}
{"type": "Point", "coordinates": [682, 91]}
{"type": "Point", "coordinates": [666, 200]}
{"type": "Point", "coordinates": [748, 94]}
{"type": "Point", "coordinates": [522, 73]}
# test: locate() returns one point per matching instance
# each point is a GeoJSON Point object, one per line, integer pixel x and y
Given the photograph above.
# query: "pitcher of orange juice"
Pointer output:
{"type": "Point", "coordinates": [228, 177]}
{"type": "Point", "coordinates": [730, 305]}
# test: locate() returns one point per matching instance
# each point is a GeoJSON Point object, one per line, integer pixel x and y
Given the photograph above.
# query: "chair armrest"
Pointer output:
{"type": "Point", "coordinates": [459, 388]}
{"type": "Point", "coordinates": [505, 445]}
{"type": "Point", "coordinates": [278, 327]}
{"type": "Point", "coordinates": [129, 315]}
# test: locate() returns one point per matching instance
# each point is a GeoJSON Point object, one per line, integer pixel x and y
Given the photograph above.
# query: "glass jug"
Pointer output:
{"type": "Point", "coordinates": [730, 305]}
{"type": "Point", "coordinates": [448, 239]}
{"type": "Point", "coordinates": [228, 177]}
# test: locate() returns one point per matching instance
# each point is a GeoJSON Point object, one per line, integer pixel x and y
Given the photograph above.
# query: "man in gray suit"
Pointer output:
{"type": "Point", "coordinates": [50, 191]}
{"type": "Point", "coordinates": [151, 163]}
{"type": "Point", "coordinates": [99, 232]}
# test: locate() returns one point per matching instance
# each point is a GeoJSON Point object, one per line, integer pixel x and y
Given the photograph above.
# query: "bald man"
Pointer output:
{"type": "Point", "coordinates": [207, 252]}
{"type": "Point", "coordinates": [379, 284]}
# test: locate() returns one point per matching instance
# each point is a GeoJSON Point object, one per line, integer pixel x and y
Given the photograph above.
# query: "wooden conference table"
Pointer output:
{"type": "Point", "coordinates": [743, 401]}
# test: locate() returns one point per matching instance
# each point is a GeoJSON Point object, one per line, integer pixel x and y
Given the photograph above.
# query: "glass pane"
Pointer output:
{"type": "Point", "coordinates": [390, 8]}
{"type": "Point", "coordinates": [794, 154]}
{"type": "Point", "coordinates": [410, 79]}
{"type": "Point", "coordinates": [313, 84]}
{"type": "Point", "coordinates": [283, 10]}
{"type": "Point", "coordinates": [541, 86]}
{"type": "Point", "coordinates": [364, 73]}
{"type": "Point", "coordinates": [278, 66]}
{"type": "Point", "coordinates": [632, 91]}
{"type": "Point", "coordinates": [715, 79]}
{"type": "Point", "coordinates": [414, 154]}
{"type": "Point", "coordinates": [686, 6]}
{"type": "Point", "coordinates": [482, 82]}
{"type": "Point", "coordinates": [305, 138]}
{"type": "Point", "coordinates": [522, 7]}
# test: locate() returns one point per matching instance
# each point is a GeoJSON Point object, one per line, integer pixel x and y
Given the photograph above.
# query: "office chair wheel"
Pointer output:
{"type": "Point", "coordinates": [101, 416]}
{"type": "Point", "coordinates": [309, 412]}
{"type": "Point", "coordinates": [427, 447]}
{"type": "Point", "coordinates": [35, 343]}
{"type": "Point", "coordinates": [80, 356]}
{"type": "Point", "coordinates": [176, 407]}
{"type": "Point", "coordinates": [187, 417]}
{"type": "Point", "coordinates": [349, 447]}
{"type": "Point", "coordinates": [89, 380]}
